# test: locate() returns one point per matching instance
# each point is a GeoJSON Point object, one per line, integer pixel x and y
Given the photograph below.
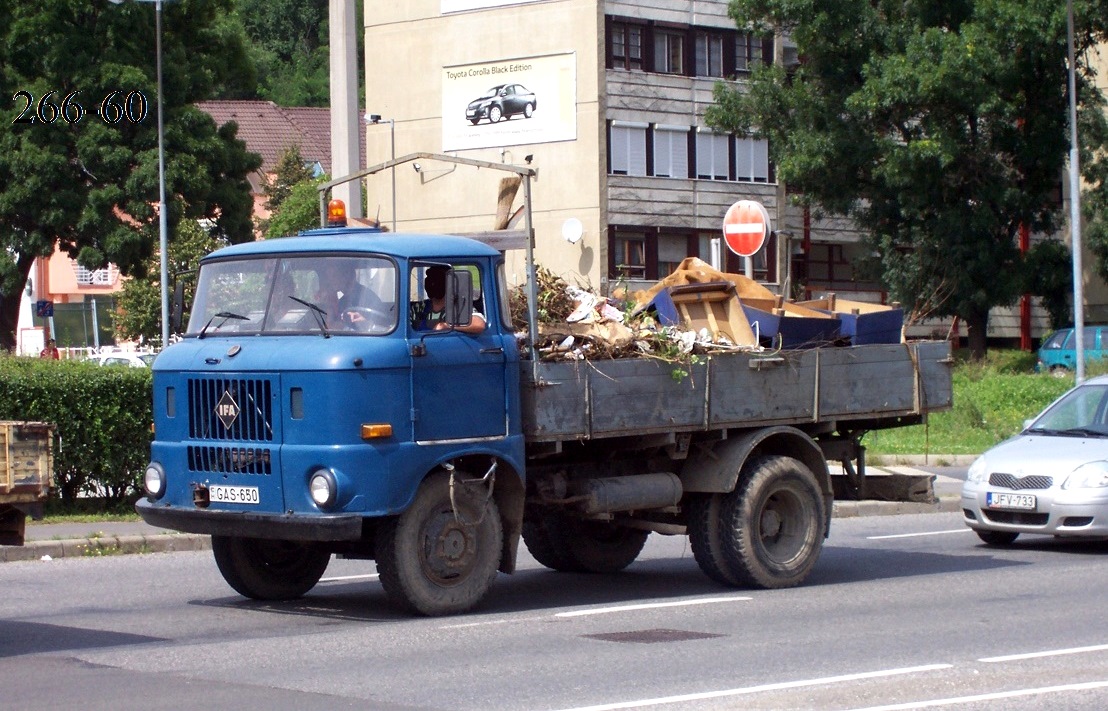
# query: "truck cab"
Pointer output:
{"type": "Point", "coordinates": [309, 401]}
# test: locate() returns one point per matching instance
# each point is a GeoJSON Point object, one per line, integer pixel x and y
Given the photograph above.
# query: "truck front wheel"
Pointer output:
{"type": "Point", "coordinates": [772, 525]}
{"type": "Point", "coordinates": [571, 544]}
{"type": "Point", "coordinates": [438, 557]}
{"type": "Point", "coordinates": [269, 570]}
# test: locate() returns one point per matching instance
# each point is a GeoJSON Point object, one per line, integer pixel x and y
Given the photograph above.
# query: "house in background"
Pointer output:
{"type": "Point", "coordinates": [81, 302]}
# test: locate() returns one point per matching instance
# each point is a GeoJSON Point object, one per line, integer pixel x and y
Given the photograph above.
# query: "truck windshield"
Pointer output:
{"type": "Point", "coordinates": [329, 294]}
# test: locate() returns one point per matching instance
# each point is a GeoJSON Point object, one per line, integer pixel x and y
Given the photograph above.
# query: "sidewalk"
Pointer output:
{"type": "Point", "coordinates": [70, 540]}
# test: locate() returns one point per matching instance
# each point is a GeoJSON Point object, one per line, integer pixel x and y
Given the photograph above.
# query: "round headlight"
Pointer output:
{"type": "Point", "coordinates": [153, 481]}
{"type": "Point", "coordinates": [323, 488]}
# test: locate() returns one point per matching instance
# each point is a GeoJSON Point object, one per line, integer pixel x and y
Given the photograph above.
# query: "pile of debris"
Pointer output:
{"type": "Point", "coordinates": [695, 310]}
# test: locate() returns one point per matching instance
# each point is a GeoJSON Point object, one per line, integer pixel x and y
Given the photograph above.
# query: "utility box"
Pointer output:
{"type": "Point", "coordinates": [26, 471]}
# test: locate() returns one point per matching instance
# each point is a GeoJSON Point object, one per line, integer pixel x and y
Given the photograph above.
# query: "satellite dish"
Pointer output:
{"type": "Point", "coordinates": [572, 230]}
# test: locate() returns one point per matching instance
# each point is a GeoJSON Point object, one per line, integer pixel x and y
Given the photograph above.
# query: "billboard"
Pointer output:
{"type": "Point", "coordinates": [509, 102]}
{"type": "Point", "coordinates": [463, 5]}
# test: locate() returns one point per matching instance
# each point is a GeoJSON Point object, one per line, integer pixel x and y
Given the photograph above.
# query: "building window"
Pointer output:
{"type": "Point", "coordinates": [627, 144]}
{"type": "Point", "coordinates": [709, 54]}
{"type": "Point", "coordinates": [626, 46]}
{"type": "Point", "coordinates": [712, 156]}
{"type": "Point", "coordinates": [672, 250]}
{"type": "Point", "coordinates": [752, 160]}
{"type": "Point", "coordinates": [671, 151]}
{"type": "Point", "coordinates": [752, 50]}
{"type": "Point", "coordinates": [628, 257]}
{"type": "Point", "coordinates": [669, 51]}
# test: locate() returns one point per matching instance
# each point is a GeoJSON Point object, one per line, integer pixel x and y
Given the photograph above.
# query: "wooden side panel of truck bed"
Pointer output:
{"type": "Point", "coordinates": [598, 399]}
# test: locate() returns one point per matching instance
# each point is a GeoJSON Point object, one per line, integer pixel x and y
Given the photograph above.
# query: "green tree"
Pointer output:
{"type": "Point", "coordinates": [139, 306]}
{"type": "Point", "coordinates": [299, 211]}
{"type": "Point", "coordinates": [938, 126]}
{"type": "Point", "coordinates": [86, 178]}
{"type": "Point", "coordinates": [289, 171]}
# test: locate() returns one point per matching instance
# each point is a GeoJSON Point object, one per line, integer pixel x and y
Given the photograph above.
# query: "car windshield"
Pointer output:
{"type": "Point", "coordinates": [1082, 412]}
{"type": "Point", "coordinates": [491, 92]}
{"type": "Point", "coordinates": [296, 294]}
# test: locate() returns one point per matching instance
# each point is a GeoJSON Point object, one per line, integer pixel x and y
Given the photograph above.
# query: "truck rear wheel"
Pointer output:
{"type": "Point", "coordinates": [703, 523]}
{"type": "Point", "coordinates": [772, 525]}
{"type": "Point", "coordinates": [269, 569]}
{"type": "Point", "coordinates": [436, 559]}
{"type": "Point", "coordinates": [544, 548]}
{"type": "Point", "coordinates": [571, 544]}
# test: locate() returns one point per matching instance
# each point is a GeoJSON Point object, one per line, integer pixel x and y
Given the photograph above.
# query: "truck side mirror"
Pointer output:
{"type": "Point", "coordinates": [177, 307]}
{"type": "Point", "coordinates": [459, 298]}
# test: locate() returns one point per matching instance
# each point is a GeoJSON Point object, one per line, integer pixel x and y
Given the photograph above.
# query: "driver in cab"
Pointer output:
{"type": "Point", "coordinates": [430, 314]}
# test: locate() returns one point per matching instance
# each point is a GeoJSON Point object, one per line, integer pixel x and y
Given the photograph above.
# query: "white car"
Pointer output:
{"type": "Point", "coordinates": [1051, 478]}
{"type": "Point", "coordinates": [126, 358]}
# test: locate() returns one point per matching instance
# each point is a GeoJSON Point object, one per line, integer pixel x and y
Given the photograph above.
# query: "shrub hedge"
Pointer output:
{"type": "Point", "coordinates": [103, 417]}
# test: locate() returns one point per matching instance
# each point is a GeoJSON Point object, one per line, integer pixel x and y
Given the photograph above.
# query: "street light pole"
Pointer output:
{"type": "Point", "coordinates": [1075, 208]}
{"type": "Point", "coordinates": [163, 231]}
{"type": "Point", "coordinates": [375, 119]}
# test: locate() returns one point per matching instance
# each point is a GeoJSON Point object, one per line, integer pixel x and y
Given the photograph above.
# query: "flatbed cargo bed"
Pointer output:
{"type": "Point", "coordinates": [873, 386]}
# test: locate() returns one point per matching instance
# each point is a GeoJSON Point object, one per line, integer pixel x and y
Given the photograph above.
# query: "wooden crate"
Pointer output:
{"type": "Point", "coordinates": [26, 461]}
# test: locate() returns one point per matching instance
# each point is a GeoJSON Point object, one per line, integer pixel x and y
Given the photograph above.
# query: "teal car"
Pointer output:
{"type": "Point", "coordinates": [1058, 354]}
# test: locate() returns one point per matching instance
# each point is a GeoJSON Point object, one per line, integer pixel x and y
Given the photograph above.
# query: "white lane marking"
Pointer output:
{"type": "Point", "coordinates": [1050, 653]}
{"type": "Point", "coordinates": [649, 606]}
{"type": "Point", "coordinates": [511, 620]}
{"type": "Point", "coordinates": [340, 578]}
{"type": "Point", "coordinates": [763, 687]}
{"type": "Point", "coordinates": [925, 533]}
{"type": "Point", "coordinates": [1083, 686]}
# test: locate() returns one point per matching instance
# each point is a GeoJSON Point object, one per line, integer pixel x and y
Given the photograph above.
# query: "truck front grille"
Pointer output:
{"type": "Point", "coordinates": [235, 409]}
{"type": "Point", "coordinates": [229, 460]}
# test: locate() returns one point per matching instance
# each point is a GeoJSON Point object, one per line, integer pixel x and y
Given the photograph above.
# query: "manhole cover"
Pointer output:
{"type": "Point", "coordinates": [652, 636]}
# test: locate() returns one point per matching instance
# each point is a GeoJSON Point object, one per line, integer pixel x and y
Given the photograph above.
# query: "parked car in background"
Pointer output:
{"type": "Point", "coordinates": [502, 101]}
{"type": "Point", "coordinates": [124, 358]}
{"type": "Point", "coordinates": [1058, 354]}
{"type": "Point", "coordinates": [1051, 478]}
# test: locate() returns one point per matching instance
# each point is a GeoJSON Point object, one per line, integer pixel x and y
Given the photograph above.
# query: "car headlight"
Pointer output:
{"type": "Point", "coordinates": [323, 487]}
{"type": "Point", "coordinates": [153, 480]}
{"type": "Point", "coordinates": [977, 471]}
{"type": "Point", "coordinates": [1093, 475]}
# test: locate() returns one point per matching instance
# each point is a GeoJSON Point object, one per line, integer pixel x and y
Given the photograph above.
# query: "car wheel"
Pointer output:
{"type": "Point", "coordinates": [528, 110]}
{"type": "Point", "coordinates": [1059, 371]}
{"type": "Point", "coordinates": [495, 114]}
{"type": "Point", "coordinates": [997, 538]}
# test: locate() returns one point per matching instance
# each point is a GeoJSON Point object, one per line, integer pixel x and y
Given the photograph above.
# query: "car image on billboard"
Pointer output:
{"type": "Point", "coordinates": [502, 102]}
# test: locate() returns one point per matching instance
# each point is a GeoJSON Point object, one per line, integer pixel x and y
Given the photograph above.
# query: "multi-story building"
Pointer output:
{"type": "Point", "coordinates": [607, 100]}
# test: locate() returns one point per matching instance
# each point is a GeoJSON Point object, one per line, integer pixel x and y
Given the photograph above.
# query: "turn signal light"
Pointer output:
{"type": "Point", "coordinates": [377, 431]}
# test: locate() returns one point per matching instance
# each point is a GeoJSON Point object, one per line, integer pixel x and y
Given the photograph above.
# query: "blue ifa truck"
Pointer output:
{"type": "Point", "coordinates": [360, 393]}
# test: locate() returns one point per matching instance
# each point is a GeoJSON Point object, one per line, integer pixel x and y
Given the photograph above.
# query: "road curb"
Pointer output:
{"type": "Point", "coordinates": [105, 546]}
{"type": "Point", "coordinates": [177, 542]}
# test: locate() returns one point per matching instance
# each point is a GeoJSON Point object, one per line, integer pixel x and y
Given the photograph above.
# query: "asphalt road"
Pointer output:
{"type": "Point", "coordinates": [900, 610]}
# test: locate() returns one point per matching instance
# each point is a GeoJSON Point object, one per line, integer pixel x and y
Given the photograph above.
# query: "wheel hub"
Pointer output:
{"type": "Point", "coordinates": [771, 523]}
{"type": "Point", "coordinates": [450, 549]}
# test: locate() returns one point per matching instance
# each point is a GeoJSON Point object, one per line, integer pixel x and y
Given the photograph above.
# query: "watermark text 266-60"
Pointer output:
{"type": "Point", "coordinates": [118, 105]}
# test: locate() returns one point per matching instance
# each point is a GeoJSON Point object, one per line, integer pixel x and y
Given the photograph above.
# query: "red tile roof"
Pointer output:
{"type": "Point", "coordinates": [270, 130]}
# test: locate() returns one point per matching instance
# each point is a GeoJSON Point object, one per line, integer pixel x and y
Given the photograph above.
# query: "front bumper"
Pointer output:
{"type": "Point", "coordinates": [1080, 512]}
{"type": "Point", "coordinates": [247, 524]}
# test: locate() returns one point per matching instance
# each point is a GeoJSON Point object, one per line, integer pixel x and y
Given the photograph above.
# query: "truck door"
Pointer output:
{"type": "Point", "coordinates": [459, 385]}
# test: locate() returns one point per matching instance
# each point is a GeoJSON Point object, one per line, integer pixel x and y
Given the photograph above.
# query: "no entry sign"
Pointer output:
{"type": "Point", "coordinates": [746, 227]}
